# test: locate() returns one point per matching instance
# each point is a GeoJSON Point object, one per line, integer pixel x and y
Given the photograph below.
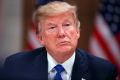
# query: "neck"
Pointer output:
{"type": "Point", "coordinates": [61, 57]}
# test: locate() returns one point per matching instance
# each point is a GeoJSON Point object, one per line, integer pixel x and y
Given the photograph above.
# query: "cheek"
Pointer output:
{"type": "Point", "coordinates": [74, 34]}
{"type": "Point", "coordinates": [43, 39]}
{"type": "Point", "coordinates": [48, 39]}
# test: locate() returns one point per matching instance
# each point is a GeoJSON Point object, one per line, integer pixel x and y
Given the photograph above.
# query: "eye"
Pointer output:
{"type": "Point", "coordinates": [66, 24]}
{"type": "Point", "coordinates": [52, 27]}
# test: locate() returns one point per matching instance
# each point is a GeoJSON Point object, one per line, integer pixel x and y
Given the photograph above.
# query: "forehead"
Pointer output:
{"type": "Point", "coordinates": [59, 17]}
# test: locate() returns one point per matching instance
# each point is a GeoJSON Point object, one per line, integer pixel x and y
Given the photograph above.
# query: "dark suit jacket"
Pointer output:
{"type": "Point", "coordinates": [33, 65]}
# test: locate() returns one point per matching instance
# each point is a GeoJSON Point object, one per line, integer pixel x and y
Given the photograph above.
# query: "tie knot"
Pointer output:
{"type": "Point", "coordinates": [59, 68]}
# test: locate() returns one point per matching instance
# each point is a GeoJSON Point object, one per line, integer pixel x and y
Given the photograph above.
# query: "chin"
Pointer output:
{"type": "Point", "coordinates": [64, 49]}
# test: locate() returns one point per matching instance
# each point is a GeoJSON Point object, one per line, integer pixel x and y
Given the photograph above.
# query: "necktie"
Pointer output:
{"type": "Point", "coordinates": [59, 69]}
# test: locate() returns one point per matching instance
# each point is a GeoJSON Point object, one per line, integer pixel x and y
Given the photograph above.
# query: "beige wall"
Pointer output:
{"type": "Point", "coordinates": [10, 27]}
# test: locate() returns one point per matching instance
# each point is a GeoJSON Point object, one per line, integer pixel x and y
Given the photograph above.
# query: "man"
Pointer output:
{"type": "Point", "coordinates": [58, 31]}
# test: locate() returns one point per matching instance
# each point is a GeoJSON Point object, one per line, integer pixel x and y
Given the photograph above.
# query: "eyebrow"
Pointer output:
{"type": "Point", "coordinates": [66, 20]}
{"type": "Point", "coordinates": [49, 24]}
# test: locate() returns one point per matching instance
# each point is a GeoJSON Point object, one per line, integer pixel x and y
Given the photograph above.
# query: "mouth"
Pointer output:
{"type": "Point", "coordinates": [64, 43]}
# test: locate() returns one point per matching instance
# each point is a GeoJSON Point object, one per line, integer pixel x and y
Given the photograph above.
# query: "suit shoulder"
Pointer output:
{"type": "Point", "coordinates": [25, 56]}
{"type": "Point", "coordinates": [96, 62]}
{"type": "Point", "coordinates": [100, 62]}
{"type": "Point", "coordinates": [18, 55]}
{"type": "Point", "coordinates": [97, 66]}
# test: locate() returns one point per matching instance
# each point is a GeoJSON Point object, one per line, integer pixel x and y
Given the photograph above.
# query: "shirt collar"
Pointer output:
{"type": "Point", "coordinates": [51, 62]}
{"type": "Point", "coordinates": [68, 64]}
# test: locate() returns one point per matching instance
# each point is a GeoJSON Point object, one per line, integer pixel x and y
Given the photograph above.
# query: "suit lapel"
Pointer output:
{"type": "Point", "coordinates": [80, 68]}
{"type": "Point", "coordinates": [41, 66]}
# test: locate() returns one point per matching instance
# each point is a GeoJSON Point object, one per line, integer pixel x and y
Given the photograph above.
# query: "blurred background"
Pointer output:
{"type": "Point", "coordinates": [16, 20]}
{"type": "Point", "coordinates": [100, 27]}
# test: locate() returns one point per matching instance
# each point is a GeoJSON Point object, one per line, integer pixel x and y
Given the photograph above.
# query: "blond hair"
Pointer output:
{"type": "Point", "coordinates": [54, 8]}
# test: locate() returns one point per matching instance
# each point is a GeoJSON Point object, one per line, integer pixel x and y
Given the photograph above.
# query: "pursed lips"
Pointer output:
{"type": "Point", "coordinates": [63, 43]}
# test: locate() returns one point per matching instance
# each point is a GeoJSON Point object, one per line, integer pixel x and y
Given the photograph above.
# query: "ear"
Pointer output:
{"type": "Point", "coordinates": [78, 33]}
{"type": "Point", "coordinates": [78, 29]}
{"type": "Point", "coordinates": [40, 38]}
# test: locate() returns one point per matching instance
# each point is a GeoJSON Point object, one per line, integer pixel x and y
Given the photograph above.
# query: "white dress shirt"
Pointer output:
{"type": "Point", "coordinates": [67, 65]}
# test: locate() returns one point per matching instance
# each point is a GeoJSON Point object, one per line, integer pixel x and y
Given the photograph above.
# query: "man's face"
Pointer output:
{"type": "Point", "coordinates": [59, 33]}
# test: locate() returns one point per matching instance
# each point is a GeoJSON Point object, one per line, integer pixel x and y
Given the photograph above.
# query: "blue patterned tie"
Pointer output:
{"type": "Point", "coordinates": [59, 69]}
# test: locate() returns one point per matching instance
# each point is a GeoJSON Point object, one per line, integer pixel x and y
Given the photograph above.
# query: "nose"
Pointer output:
{"type": "Point", "coordinates": [61, 32]}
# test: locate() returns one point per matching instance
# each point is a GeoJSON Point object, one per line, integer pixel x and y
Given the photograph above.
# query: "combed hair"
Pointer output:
{"type": "Point", "coordinates": [54, 8]}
